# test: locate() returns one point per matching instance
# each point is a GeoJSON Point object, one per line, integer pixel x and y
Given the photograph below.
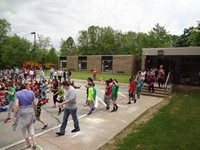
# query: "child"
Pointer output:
{"type": "Point", "coordinates": [60, 97]}
{"type": "Point", "coordinates": [90, 98]}
{"type": "Point", "coordinates": [11, 97]}
{"type": "Point", "coordinates": [139, 87]}
{"type": "Point", "coordinates": [114, 94]}
{"type": "Point", "coordinates": [131, 91]}
{"type": "Point", "coordinates": [107, 94]}
{"type": "Point", "coordinates": [95, 91]}
{"type": "Point", "coordinates": [151, 85]}
{"type": "Point", "coordinates": [44, 92]}
{"type": "Point", "coordinates": [76, 87]}
{"type": "Point", "coordinates": [38, 117]}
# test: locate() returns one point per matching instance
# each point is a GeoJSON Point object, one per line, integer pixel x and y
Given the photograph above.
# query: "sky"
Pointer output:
{"type": "Point", "coordinates": [59, 19]}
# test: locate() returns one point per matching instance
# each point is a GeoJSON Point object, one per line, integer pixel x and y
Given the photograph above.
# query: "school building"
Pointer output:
{"type": "Point", "coordinates": [123, 64]}
{"type": "Point", "coordinates": [183, 63]}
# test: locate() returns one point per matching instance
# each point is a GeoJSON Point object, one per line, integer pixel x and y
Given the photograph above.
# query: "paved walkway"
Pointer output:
{"type": "Point", "coordinates": [96, 129]}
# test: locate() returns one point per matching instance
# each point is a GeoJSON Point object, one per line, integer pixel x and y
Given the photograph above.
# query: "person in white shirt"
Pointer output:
{"type": "Point", "coordinates": [60, 75]}
{"type": "Point", "coordinates": [31, 74]}
{"type": "Point", "coordinates": [41, 74]}
{"type": "Point", "coordinates": [55, 75]}
{"type": "Point", "coordinates": [51, 73]}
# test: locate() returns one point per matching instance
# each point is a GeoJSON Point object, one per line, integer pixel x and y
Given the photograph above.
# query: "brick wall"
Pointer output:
{"type": "Point", "coordinates": [124, 64]}
{"type": "Point", "coordinates": [72, 62]}
{"type": "Point", "coordinates": [94, 62]}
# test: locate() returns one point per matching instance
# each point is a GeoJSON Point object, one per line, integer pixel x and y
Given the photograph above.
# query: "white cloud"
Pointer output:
{"type": "Point", "coordinates": [64, 18]}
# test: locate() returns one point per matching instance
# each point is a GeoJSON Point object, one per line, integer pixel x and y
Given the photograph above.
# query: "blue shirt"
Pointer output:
{"type": "Point", "coordinates": [25, 97]}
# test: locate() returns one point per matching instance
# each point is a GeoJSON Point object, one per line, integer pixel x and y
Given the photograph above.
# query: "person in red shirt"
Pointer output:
{"type": "Point", "coordinates": [131, 91]}
{"type": "Point", "coordinates": [94, 72]}
{"type": "Point", "coordinates": [107, 95]}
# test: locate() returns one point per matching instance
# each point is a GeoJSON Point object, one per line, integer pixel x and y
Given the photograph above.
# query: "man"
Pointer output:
{"type": "Point", "coordinates": [70, 108]}
{"type": "Point", "coordinates": [51, 73]}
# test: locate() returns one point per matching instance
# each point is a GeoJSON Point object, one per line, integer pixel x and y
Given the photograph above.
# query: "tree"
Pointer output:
{"type": "Point", "coordinates": [67, 47]}
{"type": "Point", "coordinates": [16, 47]}
{"type": "Point", "coordinates": [52, 56]}
{"type": "Point", "coordinates": [4, 29]}
{"type": "Point", "coordinates": [159, 37]}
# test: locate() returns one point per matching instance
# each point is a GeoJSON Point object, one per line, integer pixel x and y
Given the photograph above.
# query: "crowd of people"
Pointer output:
{"type": "Point", "coordinates": [26, 95]}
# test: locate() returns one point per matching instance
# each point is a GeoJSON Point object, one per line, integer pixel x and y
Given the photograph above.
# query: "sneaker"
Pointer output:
{"type": "Point", "coordinates": [60, 134]}
{"type": "Point", "coordinates": [75, 130]}
{"type": "Point", "coordinates": [93, 108]}
{"type": "Point", "coordinates": [7, 120]}
{"type": "Point", "coordinates": [45, 126]}
{"type": "Point", "coordinates": [54, 106]}
{"type": "Point", "coordinates": [89, 113]}
{"type": "Point", "coordinates": [129, 103]}
{"type": "Point", "coordinates": [34, 146]}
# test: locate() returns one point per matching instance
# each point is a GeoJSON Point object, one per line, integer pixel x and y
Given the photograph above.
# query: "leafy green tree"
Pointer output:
{"type": "Point", "coordinates": [52, 56]}
{"type": "Point", "coordinates": [15, 51]}
{"type": "Point", "coordinates": [4, 29]}
{"type": "Point", "coordinates": [159, 37]}
{"type": "Point", "coordinates": [68, 47]}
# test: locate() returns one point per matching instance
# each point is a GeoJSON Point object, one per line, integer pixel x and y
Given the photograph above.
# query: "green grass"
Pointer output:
{"type": "Point", "coordinates": [105, 76]}
{"type": "Point", "coordinates": [175, 127]}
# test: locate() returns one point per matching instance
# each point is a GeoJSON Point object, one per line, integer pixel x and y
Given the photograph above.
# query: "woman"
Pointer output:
{"type": "Point", "coordinates": [24, 114]}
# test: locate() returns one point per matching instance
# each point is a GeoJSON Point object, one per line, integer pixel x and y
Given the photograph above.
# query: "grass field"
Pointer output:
{"type": "Point", "coordinates": [175, 126]}
{"type": "Point", "coordinates": [105, 76]}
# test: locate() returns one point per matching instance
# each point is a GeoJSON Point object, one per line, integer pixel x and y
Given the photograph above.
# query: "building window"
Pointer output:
{"type": "Point", "coordinates": [106, 63]}
{"type": "Point", "coordinates": [82, 63]}
{"type": "Point", "coordinates": [63, 63]}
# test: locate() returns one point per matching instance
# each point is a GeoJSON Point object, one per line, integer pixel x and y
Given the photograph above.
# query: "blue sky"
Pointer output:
{"type": "Point", "coordinates": [63, 18]}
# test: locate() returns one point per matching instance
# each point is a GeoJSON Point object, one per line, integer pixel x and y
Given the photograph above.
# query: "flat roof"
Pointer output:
{"type": "Point", "coordinates": [172, 51]}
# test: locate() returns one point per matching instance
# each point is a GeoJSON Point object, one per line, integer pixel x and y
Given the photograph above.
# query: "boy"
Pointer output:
{"type": "Point", "coordinates": [131, 91]}
{"type": "Point", "coordinates": [60, 97]}
{"type": "Point", "coordinates": [114, 94]}
{"type": "Point", "coordinates": [107, 94]}
{"type": "Point", "coordinates": [90, 98]}
{"type": "Point", "coordinates": [38, 117]}
{"type": "Point", "coordinates": [11, 97]}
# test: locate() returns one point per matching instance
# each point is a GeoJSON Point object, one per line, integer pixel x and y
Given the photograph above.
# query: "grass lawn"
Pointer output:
{"type": "Point", "coordinates": [175, 126]}
{"type": "Point", "coordinates": [105, 76]}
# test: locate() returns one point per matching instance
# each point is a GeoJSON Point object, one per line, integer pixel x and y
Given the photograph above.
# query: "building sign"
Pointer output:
{"type": "Point", "coordinates": [160, 52]}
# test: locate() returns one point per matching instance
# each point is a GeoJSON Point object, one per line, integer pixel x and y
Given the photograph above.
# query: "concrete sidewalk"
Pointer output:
{"type": "Point", "coordinates": [96, 129]}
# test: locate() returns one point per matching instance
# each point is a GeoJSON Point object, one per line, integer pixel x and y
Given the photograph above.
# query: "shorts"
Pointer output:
{"type": "Point", "coordinates": [131, 94]}
{"type": "Point", "coordinates": [114, 98]}
{"type": "Point", "coordinates": [90, 103]}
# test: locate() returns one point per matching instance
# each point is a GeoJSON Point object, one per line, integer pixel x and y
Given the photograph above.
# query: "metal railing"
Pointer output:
{"type": "Point", "coordinates": [169, 80]}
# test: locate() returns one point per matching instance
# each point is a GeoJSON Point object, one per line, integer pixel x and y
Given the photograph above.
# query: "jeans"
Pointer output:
{"type": "Point", "coordinates": [67, 112]}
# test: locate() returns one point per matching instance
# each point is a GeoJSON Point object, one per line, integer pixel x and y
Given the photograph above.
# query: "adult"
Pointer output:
{"type": "Point", "coordinates": [65, 75]}
{"type": "Point", "coordinates": [31, 73]}
{"type": "Point", "coordinates": [41, 75]}
{"type": "Point", "coordinates": [51, 73]}
{"type": "Point", "coordinates": [71, 107]}
{"type": "Point", "coordinates": [161, 76]}
{"type": "Point", "coordinates": [55, 75]}
{"type": "Point", "coordinates": [60, 73]}
{"type": "Point", "coordinates": [69, 76]}
{"type": "Point", "coordinates": [24, 114]}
